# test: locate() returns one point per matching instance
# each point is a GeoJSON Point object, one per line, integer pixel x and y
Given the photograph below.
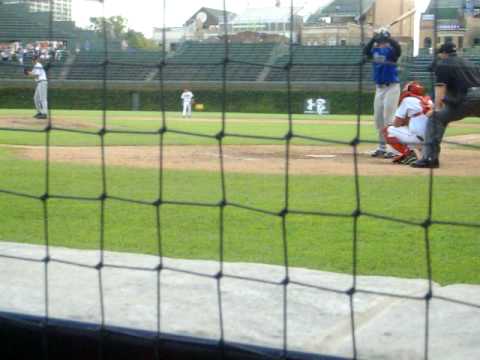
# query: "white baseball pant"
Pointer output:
{"type": "Point", "coordinates": [404, 135]}
{"type": "Point", "coordinates": [40, 97]}
{"type": "Point", "coordinates": [187, 109]}
{"type": "Point", "coordinates": [385, 106]}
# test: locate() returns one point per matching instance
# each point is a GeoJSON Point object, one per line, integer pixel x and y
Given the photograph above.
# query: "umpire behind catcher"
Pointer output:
{"type": "Point", "coordinates": [457, 95]}
{"type": "Point", "coordinates": [384, 53]}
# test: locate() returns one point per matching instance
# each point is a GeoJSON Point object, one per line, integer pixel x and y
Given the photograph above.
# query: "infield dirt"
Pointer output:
{"type": "Point", "coordinates": [266, 159]}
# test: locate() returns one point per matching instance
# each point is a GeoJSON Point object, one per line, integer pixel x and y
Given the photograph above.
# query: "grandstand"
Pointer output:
{"type": "Point", "coordinates": [321, 63]}
{"type": "Point", "coordinates": [11, 71]}
{"type": "Point", "coordinates": [18, 24]}
{"type": "Point", "coordinates": [418, 68]}
{"type": "Point", "coordinates": [191, 62]}
{"type": "Point", "coordinates": [200, 62]}
{"type": "Point", "coordinates": [203, 62]}
{"type": "Point", "coordinates": [122, 65]}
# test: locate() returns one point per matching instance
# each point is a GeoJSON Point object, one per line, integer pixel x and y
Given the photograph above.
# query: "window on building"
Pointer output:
{"type": "Point", "coordinates": [332, 41]}
{"type": "Point", "coordinates": [476, 42]}
{"type": "Point", "coordinates": [448, 39]}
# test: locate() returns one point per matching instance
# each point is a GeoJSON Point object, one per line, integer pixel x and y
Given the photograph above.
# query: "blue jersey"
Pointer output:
{"type": "Point", "coordinates": [385, 69]}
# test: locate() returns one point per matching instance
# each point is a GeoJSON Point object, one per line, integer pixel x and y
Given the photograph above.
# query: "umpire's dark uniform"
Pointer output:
{"type": "Point", "coordinates": [462, 81]}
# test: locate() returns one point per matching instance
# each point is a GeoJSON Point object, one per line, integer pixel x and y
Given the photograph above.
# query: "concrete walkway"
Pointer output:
{"type": "Point", "coordinates": [319, 321]}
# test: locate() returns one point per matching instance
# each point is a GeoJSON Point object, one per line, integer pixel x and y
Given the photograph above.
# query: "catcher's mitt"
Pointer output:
{"type": "Point", "coordinates": [26, 72]}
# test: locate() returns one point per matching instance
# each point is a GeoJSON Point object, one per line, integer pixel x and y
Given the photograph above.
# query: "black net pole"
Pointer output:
{"type": "Point", "coordinates": [223, 202]}
{"type": "Point", "coordinates": [44, 199]}
{"type": "Point", "coordinates": [104, 192]}
{"type": "Point", "coordinates": [428, 222]}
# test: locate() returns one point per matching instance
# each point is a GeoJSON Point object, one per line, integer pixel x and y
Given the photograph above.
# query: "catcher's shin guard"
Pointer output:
{"type": "Point", "coordinates": [395, 143]}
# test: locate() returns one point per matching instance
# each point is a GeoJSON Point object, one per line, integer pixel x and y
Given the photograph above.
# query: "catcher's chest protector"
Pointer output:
{"type": "Point", "coordinates": [425, 101]}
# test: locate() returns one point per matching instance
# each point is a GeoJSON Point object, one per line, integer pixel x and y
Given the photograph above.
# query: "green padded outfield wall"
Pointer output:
{"type": "Point", "coordinates": [254, 101]}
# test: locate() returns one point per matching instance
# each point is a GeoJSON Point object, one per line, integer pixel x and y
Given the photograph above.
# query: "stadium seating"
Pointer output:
{"type": "Point", "coordinates": [321, 63]}
{"type": "Point", "coordinates": [192, 62]}
{"type": "Point", "coordinates": [203, 62]}
{"type": "Point", "coordinates": [11, 70]}
{"type": "Point", "coordinates": [122, 65]}
{"type": "Point", "coordinates": [246, 62]}
{"type": "Point", "coordinates": [18, 24]}
{"type": "Point", "coordinates": [418, 68]}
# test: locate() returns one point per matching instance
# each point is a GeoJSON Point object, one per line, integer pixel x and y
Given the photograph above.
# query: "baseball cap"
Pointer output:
{"type": "Point", "coordinates": [448, 48]}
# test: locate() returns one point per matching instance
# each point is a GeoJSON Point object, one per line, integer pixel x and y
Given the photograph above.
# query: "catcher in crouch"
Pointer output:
{"type": "Point", "coordinates": [410, 123]}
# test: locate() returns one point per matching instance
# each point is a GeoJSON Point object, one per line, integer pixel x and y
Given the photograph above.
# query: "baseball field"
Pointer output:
{"type": "Point", "coordinates": [322, 191]}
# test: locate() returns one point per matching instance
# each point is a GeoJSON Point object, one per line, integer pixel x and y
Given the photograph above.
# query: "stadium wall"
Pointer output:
{"type": "Point", "coordinates": [241, 97]}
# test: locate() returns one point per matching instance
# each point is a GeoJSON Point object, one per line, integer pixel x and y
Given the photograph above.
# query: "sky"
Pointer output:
{"type": "Point", "coordinates": [144, 15]}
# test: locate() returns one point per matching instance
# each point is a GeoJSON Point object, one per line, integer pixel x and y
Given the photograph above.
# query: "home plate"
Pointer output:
{"type": "Point", "coordinates": [321, 156]}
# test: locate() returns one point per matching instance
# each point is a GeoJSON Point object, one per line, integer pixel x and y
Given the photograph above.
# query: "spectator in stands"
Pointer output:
{"type": "Point", "coordinates": [457, 95]}
{"type": "Point", "coordinates": [187, 99]}
{"type": "Point", "coordinates": [384, 52]}
{"type": "Point", "coordinates": [24, 55]}
{"type": "Point", "coordinates": [19, 56]}
{"type": "Point", "coordinates": [59, 52]}
{"type": "Point", "coordinates": [44, 55]}
{"type": "Point", "coordinates": [5, 55]}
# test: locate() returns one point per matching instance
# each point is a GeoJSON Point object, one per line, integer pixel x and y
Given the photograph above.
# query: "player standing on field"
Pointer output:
{"type": "Point", "coordinates": [384, 53]}
{"type": "Point", "coordinates": [41, 89]}
{"type": "Point", "coordinates": [457, 95]}
{"type": "Point", "coordinates": [410, 123]}
{"type": "Point", "coordinates": [187, 99]}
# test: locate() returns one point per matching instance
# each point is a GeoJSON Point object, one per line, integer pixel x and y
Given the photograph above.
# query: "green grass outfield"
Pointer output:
{"type": "Point", "coordinates": [317, 242]}
{"type": "Point", "coordinates": [204, 124]}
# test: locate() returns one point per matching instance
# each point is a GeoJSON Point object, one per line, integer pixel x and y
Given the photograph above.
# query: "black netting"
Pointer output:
{"type": "Point", "coordinates": [223, 66]}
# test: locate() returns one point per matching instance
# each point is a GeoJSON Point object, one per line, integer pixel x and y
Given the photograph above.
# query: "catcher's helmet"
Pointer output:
{"type": "Point", "coordinates": [414, 87]}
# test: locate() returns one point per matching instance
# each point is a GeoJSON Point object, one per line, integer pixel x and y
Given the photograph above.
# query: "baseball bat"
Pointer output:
{"type": "Point", "coordinates": [402, 17]}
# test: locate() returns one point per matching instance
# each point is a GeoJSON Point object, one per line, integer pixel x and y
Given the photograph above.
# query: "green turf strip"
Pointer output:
{"type": "Point", "coordinates": [139, 115]}
{"type": "Point", "coordinates": [317, 242]}
{"type": "Point", "coordinates": [204, 124]}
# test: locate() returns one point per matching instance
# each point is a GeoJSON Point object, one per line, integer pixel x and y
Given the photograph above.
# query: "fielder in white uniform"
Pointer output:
{"type": "Point", "coordinates": [410, 124]}
{"type": "Point", "coordinates": [41, 90]}
{"type": "Point", "coordinates": [187, 99]}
